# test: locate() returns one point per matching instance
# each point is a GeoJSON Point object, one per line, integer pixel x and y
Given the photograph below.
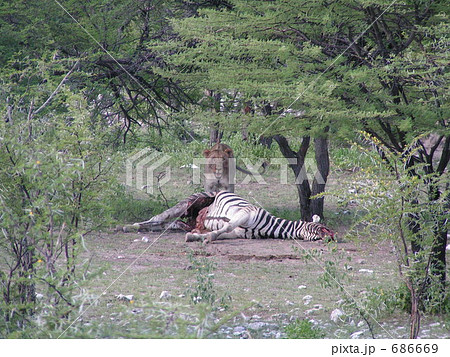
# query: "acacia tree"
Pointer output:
{"type": "Point", "coordinates": [376, 66]}
{"type": "Point", "coordinates": [254, 70]}
{"type": "Point", "coordinates": [107, 37]}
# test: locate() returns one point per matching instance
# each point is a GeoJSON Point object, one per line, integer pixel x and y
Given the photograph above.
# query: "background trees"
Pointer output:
{"type": "Point", "coordinates": [94, 75]}
{"type": "Point", "coordinates": [377, 67]}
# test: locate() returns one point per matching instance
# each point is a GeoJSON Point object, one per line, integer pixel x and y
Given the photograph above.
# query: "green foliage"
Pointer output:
{"type": "Point", "coordinates": [405, 205]}
{"type": "Point", "coordinates": [125, 207]}
{"type": "Point", "coordinates": [56, 175]}
{"type": "Point", "coordinates": [303, 329]}
{"type": "Point", "coordinates": [350, 158]}
{"type": "Point", "coordinates": [204, 291]}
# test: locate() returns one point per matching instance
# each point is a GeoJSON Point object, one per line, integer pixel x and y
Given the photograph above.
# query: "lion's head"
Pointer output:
{"type": "Point", "coordinates": [217, 168]}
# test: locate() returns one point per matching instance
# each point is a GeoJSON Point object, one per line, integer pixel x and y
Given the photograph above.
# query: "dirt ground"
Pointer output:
{"type": "Point", "coordinates": [270, 272]}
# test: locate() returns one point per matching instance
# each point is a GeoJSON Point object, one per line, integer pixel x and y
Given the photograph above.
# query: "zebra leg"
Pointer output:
{"type": "Point", "coordinates": [230, 229]}
{"type": "Point", "coordinates": [194, 237]}
{"type": "Point", "coordinates": [234, 234]}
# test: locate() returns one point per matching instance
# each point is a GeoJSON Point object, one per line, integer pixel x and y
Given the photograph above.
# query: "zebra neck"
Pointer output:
{"type": "Point", "coordinates": [280, 228]}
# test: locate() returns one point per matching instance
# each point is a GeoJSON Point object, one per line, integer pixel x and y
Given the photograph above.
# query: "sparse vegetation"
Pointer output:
{"type": "Point", "coordinates": [301, 329]}
{"type": "Point", "coordinates": [307, 87]}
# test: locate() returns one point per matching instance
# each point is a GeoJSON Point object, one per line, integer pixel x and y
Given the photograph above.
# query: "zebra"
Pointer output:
{"type": "Point", "coordinates": [230, 216]}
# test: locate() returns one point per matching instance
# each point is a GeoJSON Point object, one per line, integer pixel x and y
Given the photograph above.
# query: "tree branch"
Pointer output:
{"type": "Point", "coordinates": [57, 88]}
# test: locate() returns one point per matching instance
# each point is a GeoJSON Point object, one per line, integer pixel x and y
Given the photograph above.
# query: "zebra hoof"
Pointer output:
{"type": "Point", "coordinates": [206, 241]}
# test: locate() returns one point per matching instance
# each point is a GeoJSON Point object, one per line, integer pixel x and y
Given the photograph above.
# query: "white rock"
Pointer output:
{"type": "Point", "coordinates": [316, 218]}
{"type": "Point", "coordinates": [120, 257]}
{"type": "Point", "coordinates": [125, 297]}
{"type": "Point", "coordinates": [356, 334]}
{"type": "Point", "coordinates": [165, 295]}
{"type": "Point", "coordinates": [307, 299]}
{"type": "Point", "coordinates": [318, 307]}
{"type": "Point", "coordinates": [336, 314]}
{"type": "Point", "coordinates": [301, 287]}
{"type": "Point", "coordinates": [239, 329]}
{"type": "Point", "coordinates": [368, 271]}
{"type": "Point", "coordinates": [256, 325]}
{"type": "Point", "coordinates": [360, 323]}
{"type": "Point", "coordinates": [145, 239]}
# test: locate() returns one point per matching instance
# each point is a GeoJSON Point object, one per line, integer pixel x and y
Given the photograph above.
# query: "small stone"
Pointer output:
{"type": "Point", "coordinates": [360, 323]}
{"type": "Point", "coordinates": [181, 296]}
{"type": "Point", "coordinates": [300, 287]}
{"type": "Point", "coordinates": [307, 299]}
{"type": "Point", "coordinates": [361, 261]}
{"type": "Point", "coordinates": [238, 330]}
{"type": "Point", "coordinates": [356, 334]}
{"type": "Point", "coordinates": [290, 303]}
{"type": "Point", "coordinates": [348, 267]}
{"type": "Point", "coordinates": [318, 307]}
{"type": "Point", "coordinates": [165, 295]}
{"type": "Point", "coordinates": [120, 257]}
{"type": "Point", "coordinates": [255, 317]}
{"type": "Point", "coordinates": [256, 325]}
{"type": "Point", "coordinates": [368, 271]}
{"type": "Point", "coordinates": [310, 311]}
{"type": "Point", "coordinates": [125, 297]}
{"type": "Point", "coordinates": [145, 239]}
{"type": "Point", "coordinates": [336, 314]}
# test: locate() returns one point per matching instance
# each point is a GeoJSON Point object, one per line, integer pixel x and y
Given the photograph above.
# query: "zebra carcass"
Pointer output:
{"type": "Point", "coordinates": [225, 215]}
{"type": "Point", "coordinates": [187, 215]}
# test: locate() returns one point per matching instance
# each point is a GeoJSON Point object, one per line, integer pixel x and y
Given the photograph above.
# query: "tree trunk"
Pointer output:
{"type": "Point", "coordinates": [308, 206]}
{"type": "Point", "coordinates": [321, 176]}
{"type": "Point", "coordinates": [302, 182]}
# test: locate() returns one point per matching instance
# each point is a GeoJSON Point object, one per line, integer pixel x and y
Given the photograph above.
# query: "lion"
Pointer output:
{"type": "Point", "coordinates": [219, 169]}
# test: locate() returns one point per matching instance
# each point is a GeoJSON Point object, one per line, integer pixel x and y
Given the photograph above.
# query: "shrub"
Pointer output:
{"type": "Point", "coordinates": [303, 329]}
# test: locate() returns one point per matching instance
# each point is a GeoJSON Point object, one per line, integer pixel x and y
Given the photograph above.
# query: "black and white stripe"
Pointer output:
{"type": "Point", "coordinates": [230, 216]}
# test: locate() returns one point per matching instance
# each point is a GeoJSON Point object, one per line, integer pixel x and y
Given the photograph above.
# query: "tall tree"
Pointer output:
{"type": "Point", "coordinates": [377, 66]}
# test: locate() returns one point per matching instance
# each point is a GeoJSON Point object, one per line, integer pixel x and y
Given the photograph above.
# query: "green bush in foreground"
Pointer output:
{"type": "Point", "coordinates": [303, 329]}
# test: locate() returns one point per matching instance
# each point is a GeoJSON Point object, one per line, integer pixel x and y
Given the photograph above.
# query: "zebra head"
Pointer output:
{"type": "Point", "coordinates": [313, 231]}
{"type": "Point", "coordinates": [326, 232]}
